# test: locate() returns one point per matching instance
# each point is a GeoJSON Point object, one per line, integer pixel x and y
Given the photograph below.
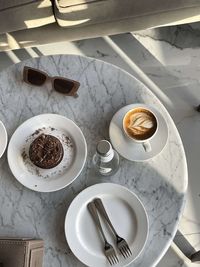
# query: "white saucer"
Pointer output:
{"type": "Point", "coordinates": [47, 180]}
{"type": "Point", "coordinates": [127, 148]}
{"type": "Point", "coordinates": [3, 139]}
{"type": "Point", "coordinates": [127, 214]}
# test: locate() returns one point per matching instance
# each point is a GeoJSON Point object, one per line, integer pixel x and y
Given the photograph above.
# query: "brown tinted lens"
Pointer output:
{"type": "Point", "coordinates": [63, 86]}
{"type": "Point", "coordinates": [35, 77]}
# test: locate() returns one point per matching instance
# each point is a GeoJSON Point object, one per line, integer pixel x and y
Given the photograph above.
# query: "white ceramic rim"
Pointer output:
{"type": "Point", "coordinates": [120, 125]}
{"type": "Point", "coordinates": [4, 140]}
{"type": "Point", "coordinates": [81, 200]}
{"type": "Point", "coordinates": [42, 186]}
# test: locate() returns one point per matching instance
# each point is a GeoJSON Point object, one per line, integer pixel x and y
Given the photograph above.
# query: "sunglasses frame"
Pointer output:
{"type": "Point", "coordinates": [73, 91]}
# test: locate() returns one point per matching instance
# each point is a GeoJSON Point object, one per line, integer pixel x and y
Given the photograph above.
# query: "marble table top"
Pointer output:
{"type": "Point", "coordinates": [161, 183]}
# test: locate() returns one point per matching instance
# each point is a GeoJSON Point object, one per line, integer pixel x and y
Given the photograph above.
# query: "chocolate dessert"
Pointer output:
{"type": "Point", "coordinates": [46, 151]}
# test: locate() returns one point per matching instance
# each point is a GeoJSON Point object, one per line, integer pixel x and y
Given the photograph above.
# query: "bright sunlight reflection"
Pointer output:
{"type": "Point", "coordinates": [174, 255]}
{"type": "Point", "coordinates": [60, 48]}
{"type": "Point", "coordinates": [12, 56]}
{"type": "Point", "coordinates": [31, 52]}
{"type": "Point", "coordinates": [74, 22]}
{"type": "Point", "coordinates": [155, 48]}
{"type": "Point", "coordinates": [144, 78]}
{"type": "Point", "coordinates": [12, 42]}
{"type": "Point", "coordinates": [44, 4]}
{"type": "Point", "coordinates": [38, 22]}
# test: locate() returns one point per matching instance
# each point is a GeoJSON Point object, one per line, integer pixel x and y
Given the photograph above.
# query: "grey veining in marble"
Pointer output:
{"type": "Point", "coordinates": [161, 183]}
{"type": "Point", "coordinates": [180, 37]}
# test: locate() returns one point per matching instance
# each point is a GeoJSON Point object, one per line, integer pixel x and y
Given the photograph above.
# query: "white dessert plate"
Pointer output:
{"type": "Point", "coordinates": [3, 139]}
{"type": "Point", "coordinates": [134, 151]}
{"type": "Point", "coordinates": [127, 214]}
{"type": "Point", "coordinates": [47, 180]}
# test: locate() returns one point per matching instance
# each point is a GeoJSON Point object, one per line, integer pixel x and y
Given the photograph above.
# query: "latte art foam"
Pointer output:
{"type": "Point", "coordinates": [140, 123]}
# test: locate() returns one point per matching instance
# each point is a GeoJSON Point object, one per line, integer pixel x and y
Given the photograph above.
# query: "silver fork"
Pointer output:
{"type": "Point", "coordinates": [122, 245]}
{"type": "Point", "coordinates": [108, 248]}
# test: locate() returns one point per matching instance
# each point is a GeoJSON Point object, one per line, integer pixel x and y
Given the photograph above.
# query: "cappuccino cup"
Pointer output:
{"type": "Point", "coordinates": [140, 125]}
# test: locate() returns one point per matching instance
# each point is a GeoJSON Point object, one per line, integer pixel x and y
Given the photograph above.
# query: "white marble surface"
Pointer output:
{"type": "Point", "coordinates": [170, 57]}
{"type": "Point", "coordinates": [161, 183]}
{"type": "Point", "coordinates": [171, 60]}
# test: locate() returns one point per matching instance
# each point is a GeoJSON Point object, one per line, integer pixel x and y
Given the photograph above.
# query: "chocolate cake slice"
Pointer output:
{"type": "Point", "coordinates": [46, 151]}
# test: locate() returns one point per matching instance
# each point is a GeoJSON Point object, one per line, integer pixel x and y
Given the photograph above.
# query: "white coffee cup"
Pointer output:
{"type": "Point", "coordinates": [144, 139]}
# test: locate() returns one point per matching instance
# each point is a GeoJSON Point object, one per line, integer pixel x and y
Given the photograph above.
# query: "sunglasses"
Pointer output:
{"type": "Point", "coordinates": [59, 84]}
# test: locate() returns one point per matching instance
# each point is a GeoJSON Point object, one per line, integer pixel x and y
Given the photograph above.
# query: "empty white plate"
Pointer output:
{"type": "Point", "coordinates": [134, 151]}
{"type": "Point", "coordinates": [47, 180]}
{"type": "Point", "coordinates": [127, 214]}
{"type": "Point", "coordinates": [3, 138]}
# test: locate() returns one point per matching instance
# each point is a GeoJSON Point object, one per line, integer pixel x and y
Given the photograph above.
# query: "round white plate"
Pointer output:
{"type": "Point", "coordinates": [75, 152]}
{"type": "Point", "coordinates": [126, 147]}
{"type": "Point", "coordinates": [126, 213]}
{"type": "Point", "coordinates": [3, 138]}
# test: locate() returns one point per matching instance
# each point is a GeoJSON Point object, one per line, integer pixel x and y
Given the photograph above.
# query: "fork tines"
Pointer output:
{"type": "Point", "coordinates": [123, 247]}
{"type": "Point", "coordinates": [110, 254]}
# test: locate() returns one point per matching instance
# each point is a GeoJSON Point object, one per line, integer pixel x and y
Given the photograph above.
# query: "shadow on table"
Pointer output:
{"type": "Point", "coordinates": [43, 214]}
{"type": "Point", "coordinates": [176, 84]}
{"type": "Point", "coordinates": [174, 73]}
{"type": "Point", "coordinates": [178, 92]}
{"type": "Point", "coordinates": [172, 258]}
